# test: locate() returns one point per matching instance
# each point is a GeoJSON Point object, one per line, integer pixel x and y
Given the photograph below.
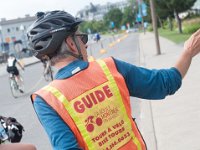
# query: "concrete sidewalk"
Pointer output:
{"type": "Point", "coordinates": [173, 123]}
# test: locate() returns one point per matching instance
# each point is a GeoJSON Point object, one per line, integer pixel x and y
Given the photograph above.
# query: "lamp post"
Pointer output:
{"type": "Point", "coordinates": [2, 43]}
{"type": "Point", "coordinates": [23, 38]}
{"type": "Point", "coordinates": [141, 14]}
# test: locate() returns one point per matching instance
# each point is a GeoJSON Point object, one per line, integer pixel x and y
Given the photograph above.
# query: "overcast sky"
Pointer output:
{"type": "Point", "coordinates": [12, 9]}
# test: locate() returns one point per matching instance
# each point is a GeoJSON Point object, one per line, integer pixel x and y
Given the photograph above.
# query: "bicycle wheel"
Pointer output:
{"type": "Point", "coordinates": [13, 87]}
{"type": "Point", "coordinates": [49, 75]}
{"type": "Point", "coordinates": [21, 85]}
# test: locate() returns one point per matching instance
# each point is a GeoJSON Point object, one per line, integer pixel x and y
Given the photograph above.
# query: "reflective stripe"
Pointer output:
{"type": "Point", "coordinates": [117, 93]}
{"type": "Point", "coordinates": [68, 107]}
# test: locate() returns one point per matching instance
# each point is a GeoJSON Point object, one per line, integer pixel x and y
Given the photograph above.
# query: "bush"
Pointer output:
{"type": "Point", "coordinates": [150, 28]}
{"type": "Point", "coordinates": [189, 29]}
{"type": "Point", "coordinates": [191, 25]}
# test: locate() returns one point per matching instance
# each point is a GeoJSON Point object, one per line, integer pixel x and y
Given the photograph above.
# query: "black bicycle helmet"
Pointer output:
{"type": "Point", "coordinates": [47, 33]}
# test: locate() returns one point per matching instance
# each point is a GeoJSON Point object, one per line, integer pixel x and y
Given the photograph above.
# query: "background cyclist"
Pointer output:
{"type": "Point", "coordinates": [12, 68]}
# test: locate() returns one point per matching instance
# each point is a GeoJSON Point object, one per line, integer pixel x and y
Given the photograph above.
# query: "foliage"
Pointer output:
{"type": "Point", "coordinates": [167, 8]}
{"type": "Point", "coordinates": [150, 28]}
{"type": "Point", "coordinates": [178, 6]}
{"type": "Point", "coordinates": [161, 9]}
{"type": "Point", "coordinates": [93, 26]}
{"type": "Point", "coordinates": [191, 25]}
{"type": "Point", "coordinates": [191, 29]}
{"type": "Point", "coordinates": [128, 16]}
{"type": "Point", "coordinates": [191, 21]}
{"type": "Point", "coordinates": [114, 15]}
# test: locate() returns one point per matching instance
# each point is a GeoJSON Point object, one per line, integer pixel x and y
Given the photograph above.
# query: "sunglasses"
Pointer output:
{"type": "Point", "coordinates": [83, 37]}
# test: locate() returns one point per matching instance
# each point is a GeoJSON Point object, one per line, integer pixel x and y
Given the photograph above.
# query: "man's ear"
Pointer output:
{"type": "Point", "coordinates": [70, 43]}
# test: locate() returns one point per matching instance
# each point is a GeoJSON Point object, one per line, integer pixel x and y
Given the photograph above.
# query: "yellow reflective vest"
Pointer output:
{"type": "Point", "coordinates": [95, 104]}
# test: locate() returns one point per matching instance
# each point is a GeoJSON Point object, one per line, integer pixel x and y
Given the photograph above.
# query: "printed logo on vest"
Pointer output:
{"type": "Point", "coordinates": [90, 100]}
{"type": "Point", "coordinates": [90, 122]}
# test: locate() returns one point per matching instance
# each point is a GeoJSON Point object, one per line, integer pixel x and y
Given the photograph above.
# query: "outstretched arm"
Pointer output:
{"type": "Point", "coordinates": [191, 49]}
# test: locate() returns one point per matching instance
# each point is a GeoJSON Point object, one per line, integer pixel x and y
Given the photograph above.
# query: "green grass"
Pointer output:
{"type": "Point", "coordinates": [174, 36]}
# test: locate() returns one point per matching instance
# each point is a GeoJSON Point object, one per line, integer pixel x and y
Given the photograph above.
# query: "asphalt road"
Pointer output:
{"type": "Point", "coordinates": [21, 108]}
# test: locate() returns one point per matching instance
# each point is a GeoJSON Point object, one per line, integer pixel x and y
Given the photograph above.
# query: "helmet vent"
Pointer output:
{"type": "Point", "coordinates": [33, 32]}
{"type": "Point", "coordinates": [46, 39]}
{"type": "Point", "coordinates": [56, 22]}
{"type": "Point", "coordinates": [38, 47]}
{"type": "Point", "coordinates": [66, 20]}
{"type": "Point", "coordinates": [45, 26]}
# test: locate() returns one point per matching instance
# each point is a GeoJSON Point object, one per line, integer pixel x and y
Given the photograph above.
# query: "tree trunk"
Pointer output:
{"type": "Point", "coordinates": [160, 21]}
{"type": "Point", "coordinates": [170, 23]}
{"type": "Point", "coordinates": [179, 22]}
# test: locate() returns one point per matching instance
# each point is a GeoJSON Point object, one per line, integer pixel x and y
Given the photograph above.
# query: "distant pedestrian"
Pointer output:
{"type": "Point", "coordinates": [97, 37]}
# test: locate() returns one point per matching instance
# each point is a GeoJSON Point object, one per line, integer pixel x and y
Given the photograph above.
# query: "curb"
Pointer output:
{"type": "Point", "coordinates": [33, 63]}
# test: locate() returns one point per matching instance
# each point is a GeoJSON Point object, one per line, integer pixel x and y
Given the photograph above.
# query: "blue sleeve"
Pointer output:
{"type": "Point", "coordinates": [60, 135]}
{"type": "Point", "coordinates": [149, 84]}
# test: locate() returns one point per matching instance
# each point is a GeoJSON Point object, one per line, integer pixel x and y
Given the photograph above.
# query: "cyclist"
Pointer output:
{"type": "Point", "coordinates": [97, 37]}
{"type": "Point", "coordinates": [87, 106]}
{"type": "Point", "coordinates": [12, 68]}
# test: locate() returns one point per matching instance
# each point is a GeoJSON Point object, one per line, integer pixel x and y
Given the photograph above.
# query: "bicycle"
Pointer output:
{"type": "Point", "coordinates": [16, 87]}
{"type": "Point", "coordinates": [48, 75]}
{"type": "Point", "coordinates": [48, 72]}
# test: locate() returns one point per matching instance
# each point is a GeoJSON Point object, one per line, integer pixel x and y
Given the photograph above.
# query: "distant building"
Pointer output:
{"type": "Point", "coordinates": [96, 12]}
{"type": "Point", "coordinates": [194, 10]}
{"type": "Point", "coordinates": [13, 33]}
{"type": "Point", "coordinates": [196, 5]}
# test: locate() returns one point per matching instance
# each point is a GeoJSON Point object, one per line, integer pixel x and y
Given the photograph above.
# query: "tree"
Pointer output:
{"type": "Point", "coordinates": [128, 15]}
{"type": "Point", "coordinates": [162, 12]}
{"type": "Point", "coordinates": [114, 15]}
{"type": "Point", "coordinates": [178, 6]}
{"type": "Point", "coordinates": [94, 26]}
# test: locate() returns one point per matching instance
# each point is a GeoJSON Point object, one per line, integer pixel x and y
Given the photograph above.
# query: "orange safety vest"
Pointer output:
{"type": "Point", "coordinates": [95, 104]}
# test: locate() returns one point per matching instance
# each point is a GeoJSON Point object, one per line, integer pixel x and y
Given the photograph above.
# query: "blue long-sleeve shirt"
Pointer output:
{"type": "Point", "coordinates": [141, 83]}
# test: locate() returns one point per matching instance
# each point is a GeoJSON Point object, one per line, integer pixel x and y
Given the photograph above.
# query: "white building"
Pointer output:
{"type": "Point", "coordinates": [13, 33]}
{"type": "Point", "coordinates": [196, 5]}
{"type": "Point", "coordinates": [96, 12]}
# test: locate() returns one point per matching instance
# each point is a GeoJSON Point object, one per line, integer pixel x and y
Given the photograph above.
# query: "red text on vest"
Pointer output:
{"type": "Point", "coordinates": [92, 99]}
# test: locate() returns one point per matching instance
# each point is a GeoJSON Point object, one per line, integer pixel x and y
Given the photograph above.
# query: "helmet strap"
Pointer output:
{"type": "Point", "coordinates": [80, 56]}
{"type": "Point", "coordinates": [47, 59]}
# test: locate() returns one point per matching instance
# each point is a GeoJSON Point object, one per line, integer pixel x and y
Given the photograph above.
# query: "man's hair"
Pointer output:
{"type": "Point", "coordinates": [61, 54]}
